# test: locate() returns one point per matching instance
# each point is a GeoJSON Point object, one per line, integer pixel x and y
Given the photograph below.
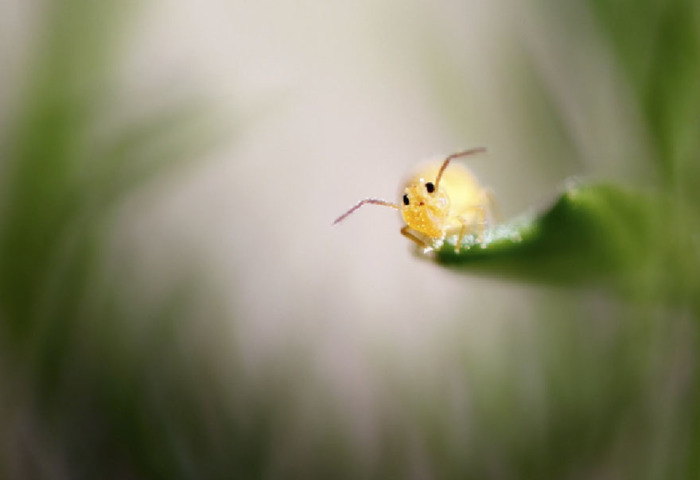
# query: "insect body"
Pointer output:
{"type": "Point", "coordinates": [439, 201]}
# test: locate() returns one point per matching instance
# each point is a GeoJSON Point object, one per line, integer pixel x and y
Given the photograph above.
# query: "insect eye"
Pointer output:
{"type": "Point", "coordinates": [405, 199]}
{"type": "Point", "coordinates": [430, 187]}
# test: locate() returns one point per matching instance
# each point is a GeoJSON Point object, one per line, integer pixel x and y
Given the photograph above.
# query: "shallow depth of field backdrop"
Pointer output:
{"type": "Point", "coordinates": [174, 302]}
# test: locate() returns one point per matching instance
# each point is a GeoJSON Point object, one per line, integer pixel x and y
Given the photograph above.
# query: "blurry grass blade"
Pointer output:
{"type": "Point", "coordinates": [68, 75]}
{"type": "Point", "coordinates": [591, 234]}
{"type": "Point", "coordinates": [61, 169]}
{"type": "Point", "coordinates": [659, 49]}
{"type": "Point", "coordinates": [142, 149]}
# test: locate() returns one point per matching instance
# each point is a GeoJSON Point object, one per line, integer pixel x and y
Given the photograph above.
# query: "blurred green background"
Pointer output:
{"type": "Point", "coordinates": [174, 303]}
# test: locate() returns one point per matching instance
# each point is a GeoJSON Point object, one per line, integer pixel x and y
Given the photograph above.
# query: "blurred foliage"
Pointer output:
{"type": "Point", "coordinates": [657, 45]}
{"type": "Point", "coordinates": [92, 375]}
{"type": "Point", "coordinates": [98, 383]}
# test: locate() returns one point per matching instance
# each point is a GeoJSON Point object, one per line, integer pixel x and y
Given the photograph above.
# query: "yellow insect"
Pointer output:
{"type": "Point", "coordinates": [438, 202]}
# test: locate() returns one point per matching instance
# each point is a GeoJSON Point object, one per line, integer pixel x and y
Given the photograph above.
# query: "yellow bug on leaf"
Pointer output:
{"type": "Point", "coordinates": [438, 202]}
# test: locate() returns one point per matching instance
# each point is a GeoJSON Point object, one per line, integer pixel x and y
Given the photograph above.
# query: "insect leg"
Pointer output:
{"type": "Point", "coordinates": [462, 232]}
{"type": "Point", "coordinates": [480, 212]}
{"type": "Point", "coordinates": [406, 233]}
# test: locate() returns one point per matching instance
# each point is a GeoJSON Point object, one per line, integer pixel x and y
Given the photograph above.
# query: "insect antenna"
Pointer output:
{"type": "Point", "coordinates": [453, 156]}
{"type": "Point", "coordinates": [372, 201]}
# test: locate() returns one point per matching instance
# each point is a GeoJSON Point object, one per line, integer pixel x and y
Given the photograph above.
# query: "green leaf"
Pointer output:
{"type": "Point", "coordinates": [593, 233]}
